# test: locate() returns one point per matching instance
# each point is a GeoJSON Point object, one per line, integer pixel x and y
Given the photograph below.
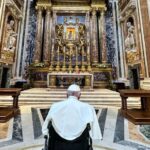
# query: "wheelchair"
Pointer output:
{"type": "Point", "coordinates": [55, 142]}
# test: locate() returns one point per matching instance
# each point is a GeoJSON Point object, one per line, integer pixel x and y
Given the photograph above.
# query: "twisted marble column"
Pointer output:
{"type": "Point", "coordinates": [103, 37]}
{"type": "Point", "coordinates": [94, 38]}
{"type": "Point", "coordinates": [47, 36]}
{"type": "Point", "coordinates": [38, 45]}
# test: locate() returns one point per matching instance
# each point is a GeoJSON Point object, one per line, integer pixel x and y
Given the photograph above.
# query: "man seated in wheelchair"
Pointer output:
{"type": "Point", "coordinates": [71, 124]}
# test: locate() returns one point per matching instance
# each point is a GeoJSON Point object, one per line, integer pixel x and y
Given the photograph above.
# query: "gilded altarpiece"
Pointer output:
{"type": "Point", "coordinates": [70, 47]}
{"type": "Point", "coordinates": [67, 48]}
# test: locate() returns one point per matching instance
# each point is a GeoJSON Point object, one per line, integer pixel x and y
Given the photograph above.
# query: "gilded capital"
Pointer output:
{"type": "Point", "coordinates": [39, 8]}
{"type": "Point", "coordinates": [94, 11]}
{"type": "Point", "coordinates": [43, 6]}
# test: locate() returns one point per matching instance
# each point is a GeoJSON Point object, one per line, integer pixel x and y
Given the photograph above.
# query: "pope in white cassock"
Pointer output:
{"type": "Point", "coordinates": [71, 116]}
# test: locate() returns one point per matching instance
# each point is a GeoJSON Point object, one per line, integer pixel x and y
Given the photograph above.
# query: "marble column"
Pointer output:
{"type": "Point", "coordinates": [38, 45]}
{"type": "Point", "coordinates": [47, 36]}
{"type": "Point", "coordinates": [88, 33]}
{"type": "Point", "coordinates": [103, 37]}
{"type": "Point", "coordinates": [94, 37]}
{"type": "Point", "coordinates": [88, 45]}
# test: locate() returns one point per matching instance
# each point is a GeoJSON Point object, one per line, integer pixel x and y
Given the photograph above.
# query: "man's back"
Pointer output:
{"type": "Point", "coordinates": [70, 117]}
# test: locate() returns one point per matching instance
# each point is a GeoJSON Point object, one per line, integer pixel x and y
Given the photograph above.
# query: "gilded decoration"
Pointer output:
{"type": "Point", "coordinates": [15, 11]}
{"type": "Point", "coordinates": [70, 45]}
{"type": "Point", "coordinates": [132, 56]}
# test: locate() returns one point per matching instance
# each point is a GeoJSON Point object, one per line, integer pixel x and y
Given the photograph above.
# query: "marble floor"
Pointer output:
{"type": "Point", "coordinates": [24, 131]}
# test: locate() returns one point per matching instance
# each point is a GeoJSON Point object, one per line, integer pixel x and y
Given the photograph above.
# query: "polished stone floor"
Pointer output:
{"type": "Point", "coordinates": [24, 131]}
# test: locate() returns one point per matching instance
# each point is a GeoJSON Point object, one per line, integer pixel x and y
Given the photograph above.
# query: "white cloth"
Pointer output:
{"type": "Point", "coordinates": [70, 117]}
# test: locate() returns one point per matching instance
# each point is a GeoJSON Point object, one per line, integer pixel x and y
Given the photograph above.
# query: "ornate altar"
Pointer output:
{"type": "Point", "coordinates": [70, 49]}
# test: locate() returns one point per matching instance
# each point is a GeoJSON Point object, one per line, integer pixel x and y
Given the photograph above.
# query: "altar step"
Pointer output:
{"type": "Point", "coordinates": [44, 96]}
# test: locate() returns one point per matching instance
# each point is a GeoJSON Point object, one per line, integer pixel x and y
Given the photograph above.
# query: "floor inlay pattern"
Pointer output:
{"type": "Point", "coordinates": [16, 136]}
{"type": "Point", "coordinates": [24, 131]}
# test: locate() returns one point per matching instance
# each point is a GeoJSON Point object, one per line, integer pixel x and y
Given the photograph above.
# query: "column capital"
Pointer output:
{"type": "Point", "coordinates": [94, 11]}
{"type": "Point", "coordinates": [39, 8]}
{"type": "Point", "coordinates": [43, 6]}
{"type": "Point", "coordinates": [48, 8]}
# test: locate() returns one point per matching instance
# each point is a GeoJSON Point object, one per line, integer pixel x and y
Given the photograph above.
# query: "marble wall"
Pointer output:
{"type": "Point", "coordinates": [30, 45]}
{"type": "Point", "coordinates": [110, 39]}
{"type": "Point", "coordinates": [110, 43]}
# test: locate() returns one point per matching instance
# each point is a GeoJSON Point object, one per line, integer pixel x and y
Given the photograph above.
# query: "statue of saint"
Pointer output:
{"type": "Point", "coordinates": [130, 39]}
{"type": "Point", "coordinates": [10, 37]}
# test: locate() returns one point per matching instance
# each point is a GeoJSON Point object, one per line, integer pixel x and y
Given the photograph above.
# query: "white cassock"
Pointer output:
{"type": "Point", "coordinates": [70, 117]}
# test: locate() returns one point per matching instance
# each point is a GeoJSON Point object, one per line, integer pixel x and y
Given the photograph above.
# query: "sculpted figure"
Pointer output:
{"type": "Point", "coordinates": [10, 38]}
{"type": "Point", "coordinates": [130, 39]}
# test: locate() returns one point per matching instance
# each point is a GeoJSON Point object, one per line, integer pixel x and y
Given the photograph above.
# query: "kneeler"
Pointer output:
{"type": "Point", "coordinates": [83, 142]}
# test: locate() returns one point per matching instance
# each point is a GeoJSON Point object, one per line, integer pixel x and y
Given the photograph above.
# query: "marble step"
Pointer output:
{"type": "Point", "coordinates": [48, 104]}
{"type": "Point", "coordinates": [64, 95]}
{"type": "Point", "coordinates": [94, 103]}
{"type": "Point", "coordinates": [93, 99]}
{"type": "Point", "coordinates": [45, 90]}
{"type": "Point", "coordinates": [57, 98]}
{"type": "Point", "coordinates": [45, 96]}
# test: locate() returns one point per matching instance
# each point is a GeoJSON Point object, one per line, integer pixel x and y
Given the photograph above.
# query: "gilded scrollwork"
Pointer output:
{"type": "Point", "coordinates": [59, 30]}
{"type": "Point", "coordinates": [82, 30]}
{"type": "Point", "coordinates": [14, 10]}
{"type": "Point", "coordinates": [132, 56]}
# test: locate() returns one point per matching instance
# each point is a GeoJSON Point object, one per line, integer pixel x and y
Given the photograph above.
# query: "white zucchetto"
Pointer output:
{"type": "Point", "coordinates": [74, 88]}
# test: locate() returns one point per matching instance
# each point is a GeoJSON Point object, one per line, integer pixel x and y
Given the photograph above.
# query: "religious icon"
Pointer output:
{"type": "Point", "coordinates": [70, 34]}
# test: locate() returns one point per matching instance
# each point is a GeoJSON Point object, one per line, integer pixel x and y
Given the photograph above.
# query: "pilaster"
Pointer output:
{"type": "Point", "coordinates": [47, 37]}
{"type": "Point", "coordinates": [103, 36]}
{"type": "Point", "coordinates": [94, 37]}
{"type": "Point", "coordinates": [38, 46]}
